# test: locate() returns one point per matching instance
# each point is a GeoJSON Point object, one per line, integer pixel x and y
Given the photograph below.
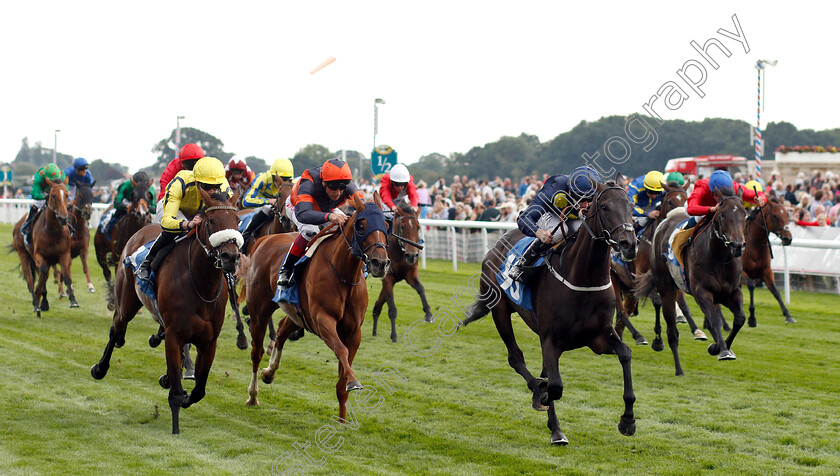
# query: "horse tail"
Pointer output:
{"type": "Point", "coordinates": [644, 286]}
{"type": "Point", "coordinates": [474, 312]}
{"type": "Point", "coordinates": [241, 274]}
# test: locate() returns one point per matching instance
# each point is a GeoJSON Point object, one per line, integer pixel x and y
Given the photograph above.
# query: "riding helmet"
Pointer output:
{"type": "Point", "coordinates": [190, 152]}
{"type": "Point", "coordinates": [209, 170]}
{"type": "Point", "coordinates": [654, 181]}
{"type": "Point", "coordinates": [237, 163]}
{"type": "Point", "coordinates": [283, 168]}
{"type": "Point", "coordinates": [80, 162]}
{"type": "Point", "coordinates": [335, 169]}
{"type": "Point", "coordinates": [720, 179]}
{"type": "Point", "coordinates": [675, 177]}
{"type": "Point", "coordinates": [399, 174]}
{"type": "Point", "coordinates": [582, 181]}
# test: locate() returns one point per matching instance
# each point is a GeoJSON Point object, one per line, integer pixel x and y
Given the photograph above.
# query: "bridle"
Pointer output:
{"type": "Point", "coordinates": [606, 236]}
{"type": "Point", "coordinates": [715, 222]}
{"type": "Point", "coordinates": [397, 232]}
{"type": "Point", "coordinates": [773, 206]}
{"type": "Point", "coordinates": [53, 190]}
{"type": "Point", "coordinates": [668, 194]}
{"type": "Point", "coordinates": [356, 249]}
{"type": "Point", "coordinates": [212, 251]}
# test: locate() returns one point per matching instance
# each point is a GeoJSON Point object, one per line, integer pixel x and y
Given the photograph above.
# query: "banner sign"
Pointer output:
{"type": "Point", "coordinates": [382, 159]}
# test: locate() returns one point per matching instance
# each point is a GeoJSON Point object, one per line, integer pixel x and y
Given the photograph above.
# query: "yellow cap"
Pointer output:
{"type": "Point", "coordinates": [654, 181]}
{"type": "Point", "coordinates": [209, 170]}
{"type": "Point", "coordinates": [283, 168]}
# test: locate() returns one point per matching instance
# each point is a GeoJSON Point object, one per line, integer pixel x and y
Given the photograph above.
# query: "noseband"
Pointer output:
{"type": "Point", "coordinates": [218, 239]}
{"type": "Point", "coordinates": [401, 240]}
{"type": "Point", "coordinates": [715, 227]}
{"type": "Point", "coordinates": [606, 236]}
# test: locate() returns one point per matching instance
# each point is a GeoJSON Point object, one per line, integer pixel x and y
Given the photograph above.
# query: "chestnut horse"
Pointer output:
{"type": "Point", "coordinates": [771, 218]}
{"type": "Point", "coordinates": [333, 293]}
{"type": "Point", "coordinates": [402, 251]}
{"type": "Point", "coordinates": [80, 208]}
{"type": "Point", "coordinates": [109, 247]}
{"type": "Point", "coordinates": [191, 296]}
{"type": "Point", "coordinates": [50, 245]}
{"type": "Point", "coordinates": [713, 268]}
{"type": "Point", "coordinates": [573, 301]}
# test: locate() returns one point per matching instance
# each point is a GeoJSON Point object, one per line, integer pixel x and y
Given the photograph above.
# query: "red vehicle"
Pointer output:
{"type": "Point", "coordinates": [706, 164]}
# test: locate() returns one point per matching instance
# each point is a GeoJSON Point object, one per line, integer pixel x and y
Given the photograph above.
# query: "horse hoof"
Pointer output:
{"type": "Point", "coordinates": [726, 355]}
{"type": "Point", "coordinates": [98, 372]}
{"type": "Point", "coordinates": [658, 345]}
{"type": "Point", "coordinates": [627, 429]}
{"type": "Point", "coordinates": [354, 385]}
{"type": "Point", "coordinates": [641, 340]}
{"type": "Point", "coordinates": [752, 322]}
{"type": "Point", "coordinates": [45, 306]}
{"type": "Point", "coordinates": [790, 320]}
{"type": "Point", "coordinates": [700, 335]}
{"type": "Point", "coordinates": [62, 295]}
{"type": "Point", "coordinates": [558, 438]}
{"type": "Point", "coordinates": [267, 379]}
{"type": "Point", "coordinates": [73, 304]}
{"type": "Point", "coordinates": [374, 333]}
{"type": "Point", "coordinates": [154, 341]}
{"type": "Point", "coordinates": [246, 313]}
{"type": "Point", "coordinates": [91, 289]}
{"type": "Point", "coordinates": [429, 318]}
{"type": "Point", "coordinates": [164, 381]}
{"type": "Point", "coordinates": [252, 402]}
{"type": "Point", "coordinates": [394, 339]}
{"type": "Point", "coordinates": [536, 405]}
{"type": "Point", "coordinates": [241, 342]}
{"type": "Point", "coordinates": [189, 374]}
{"type": "Point", "coordinates": [682, 320]}
{"type": "Point", "coordinates": [296, 334]}
{"type": "Point", "coordinates": [111, 306]}
{"type": "Point", "coordinates": [714, 349]}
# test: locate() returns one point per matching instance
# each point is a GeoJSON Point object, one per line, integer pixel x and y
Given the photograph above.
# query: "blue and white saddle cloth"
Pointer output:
{"type": "Point", "coordinates": [133, 261]}
{"type": "Point", "coordinates": [519, 293]}
{"type": "Point", "coordinates": [291, 294]}
{"type": "Point", "coordinates": [105, 222]}
{"type": "Point", "coordinates": [245, 220]}
{"type": "Point", "coordinates": [674, 266]}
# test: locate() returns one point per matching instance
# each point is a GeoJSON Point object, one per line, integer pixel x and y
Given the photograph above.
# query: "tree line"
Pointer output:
{"type": "Point", "coordinates": [509, 156]}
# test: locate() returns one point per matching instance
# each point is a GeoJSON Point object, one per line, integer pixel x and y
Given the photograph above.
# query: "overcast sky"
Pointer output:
{"type": "Point", "coordinates": [113, 76]}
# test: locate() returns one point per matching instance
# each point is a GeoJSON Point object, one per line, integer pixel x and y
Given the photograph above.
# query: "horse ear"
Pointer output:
{"type": "Point", "coordinates": [357, 203]}
{"type": "Point", "coordinates": [740, 192]}
{"type": "Point", "coordinates": [236, 195]}
{"type": "Point", "coordinates": [66, 180]}
{"type": "Point", "coordinates": [417, 211]}
{"type": "Point", "coordinates": [205, 195]}
{"type": "Point", "coordinates": [377, 199]}
{"type": "Point", "coordinates": [619, 179]}
{"type": "Point", "coordinates": [687, 183]}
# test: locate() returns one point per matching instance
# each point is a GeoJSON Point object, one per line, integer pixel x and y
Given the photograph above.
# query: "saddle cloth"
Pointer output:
{"type": "Point", "coordinates": [132, 262]}
{"type": "Point", "coordinates": [245, 220]}
{"type": "Point", "coordinates": [676, 265]}
{"type": "Point", "coordinates": [519, 293]}
{"type": "Point", "coordinates": [105, 222]}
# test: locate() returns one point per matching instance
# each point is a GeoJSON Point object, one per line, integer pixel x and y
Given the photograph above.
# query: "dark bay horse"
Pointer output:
{"type": "Point", "coordinates": [771, 218]}
{"type": "Point", "coordinates": [50, 246]}
{"type": "Point", "coordinates": [403, 252]}
{"type": "Point", "coordinates": [109, 248]}
{"type": "Point", "coordinates": [573, 301]}
{"type": "Point", "coordinates": [80, 209]}
{"type": "Point", "coordinates": [713, 268]}
{"type": "Point", "coordinates": [280, 222]}
{"type": "Point", "coordinates": [333, 294]}
{"type": "Point", "coordinates": [192, 297]}
{"type": "Point", "coordinates": [674, 197]}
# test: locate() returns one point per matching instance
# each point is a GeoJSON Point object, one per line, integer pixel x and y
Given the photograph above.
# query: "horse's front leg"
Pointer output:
{"type": "Point", "coordinates": [669, 312]}
{"type": "Point", "coordinates": [770, 282]}
{"type": "Point", "coordinates": [610, 342]}
{"type": "Point", "coordinates": [387, 288]}
{"type": "Point", "coordinates": [736, 305]}
{"type": "Point", "coordinates": [203, 362]}
{"type": "Point", "coordinates": [413, 280]}
{"type": "Point", "coordinates": [327, 331]}
{"type": "Point", "coordinates": [715, 319]}
{"type": "Point", "coordinates": [39, 297]}
{"type": "Point", "coordinates": [65, 262]}
{"type": "Point", "coordinates": [84, 257]}
{"type": "Point", "coordinates": [751, 286]}
{"type": "Point", "coordinates": [554, 389]}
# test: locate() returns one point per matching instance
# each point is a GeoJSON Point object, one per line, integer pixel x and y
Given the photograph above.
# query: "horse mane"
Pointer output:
{"type": "Point", "coordinates": [727, 191]}
{"type": "Point", "coordinates": [405, 207]}
{"type": "Point", "coordinates": [219, 196]}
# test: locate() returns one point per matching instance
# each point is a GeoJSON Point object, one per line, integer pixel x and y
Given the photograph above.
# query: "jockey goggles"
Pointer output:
{"type": "Point", "coordinates": [337, 184]}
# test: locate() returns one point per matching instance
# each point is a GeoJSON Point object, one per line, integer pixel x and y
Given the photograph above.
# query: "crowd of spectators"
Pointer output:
{"type": "Point", "coordinates": [810, 201]}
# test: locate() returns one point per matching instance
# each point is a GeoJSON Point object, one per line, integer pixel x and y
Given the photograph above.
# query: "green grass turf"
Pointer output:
{"type": "Point", "coordinates": [460, 410]}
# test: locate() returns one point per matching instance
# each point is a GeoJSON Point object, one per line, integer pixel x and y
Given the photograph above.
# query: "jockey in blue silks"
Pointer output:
{"type": "Point", "coordinates": [556, 207]}
{"type": "Point", "coordinates": [646, 193]}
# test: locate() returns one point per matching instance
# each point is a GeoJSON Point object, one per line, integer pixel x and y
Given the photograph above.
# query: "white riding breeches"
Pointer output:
{"type": "Point", "coordinates": [549, 222]}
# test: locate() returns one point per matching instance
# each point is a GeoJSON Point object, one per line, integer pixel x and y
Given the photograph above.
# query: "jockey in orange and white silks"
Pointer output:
{"type": "Point", "coordinates": [313, 204]}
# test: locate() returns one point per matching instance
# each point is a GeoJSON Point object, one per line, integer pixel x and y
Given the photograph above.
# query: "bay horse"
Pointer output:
{"type": "Point", "coordinates": [191, 296]}
{"type": "Point", "coordinates": [50, 245]}
{"type": "Point", "coordinates": [333, 293]}
{"type": "Point", "coordinates": [573, 301]}
{"type": "Point", "coordinates": [674, 196]}
{"type": "Point", "coordinates": [109, 247]}
{"type": "Point", "coordinates": [713, 269]}
{"type": "Point", "coordinates": [403, 251]}
{"type": "Point", "coordinates": [772, 218]}
{"type": "Point", "coordinates": [82, 207]}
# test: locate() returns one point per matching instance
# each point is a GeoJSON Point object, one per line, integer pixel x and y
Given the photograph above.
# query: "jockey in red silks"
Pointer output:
{"type": "Point", "coordinates": [238, 174]}
{"type": "Point", "coordinates": [703, 201]}
{"type": "Point", "coordinates": [186, 159]}
{"type": "Point", "coordinates": [396, 184]}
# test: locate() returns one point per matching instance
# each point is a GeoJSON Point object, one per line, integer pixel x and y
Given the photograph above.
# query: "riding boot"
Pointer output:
{"type": "Point", "coordinates": [144, 271]}
{"type": "Point", "coordinates": [257, 221]}
{"type": "Point", "coordinates": [285, 278]}
{"type": "Point", "coordinates": [517, 271]}
{"type": "Point", "coordinates": [27, 225]}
